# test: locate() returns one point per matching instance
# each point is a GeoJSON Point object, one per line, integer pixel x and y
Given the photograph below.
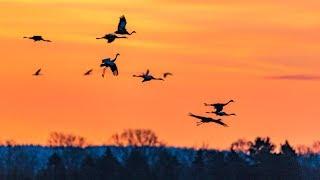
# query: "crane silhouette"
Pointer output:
{"type": "Point", "coordinates": [89, 72]}
{"type": "Point", "coordinates": [208, 120]}
{"type": "Point", "coordinates": [37, 73]}
{"type": "Point", "coordinates": [110, 37]}
{"type": "Point", "coordinates": [147, 77]}
{"type": "Point", "coordinates": [221, 113]}
{"type": "Point", "coordinates": [37, 38]}
{"type": "Point", "coordinates": [111, 64]}
{"type": "Point", "coordinates": [167, 74]}
{"type": "Point", "coordinates": [219, 106]}
{"type": "Point", "coordinates": [122, 27]}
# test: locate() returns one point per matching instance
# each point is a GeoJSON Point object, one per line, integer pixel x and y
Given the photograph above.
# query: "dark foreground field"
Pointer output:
{"type": "Point", "coordinates": [244, 160]}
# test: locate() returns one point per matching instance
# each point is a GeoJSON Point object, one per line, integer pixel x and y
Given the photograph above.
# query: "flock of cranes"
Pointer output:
{"type": "Point", "coordinates": [108, 62]}
{"type": "Point", "coordinates": [147, 76]}
{"type": "Point", "coordinates": [218, 107]}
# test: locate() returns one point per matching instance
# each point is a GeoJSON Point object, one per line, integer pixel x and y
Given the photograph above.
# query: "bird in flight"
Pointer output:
{"type": "Point", "coordinates": [37, 38]}
{"type": "Point", "coordinates": [37, 73]}
{"type": "Point", "coordinates": [111, 64]}
{"type": "Point", "coordinates": [208, 120]}
{"type": "Point", "coordinates": [167, 74]}
{"type": "Point", "coordinates": [221, 113]}
{"type": "Point", "coordinates": [110, 37]}
{"type": "Point", "coordinates": [147, 77]}
{"type": "Point", "coordinates": [219, 106]}
{"type": "Point", "coordinates": [122, 27]}
{"type": "Point", "coordinates": [89, 72]}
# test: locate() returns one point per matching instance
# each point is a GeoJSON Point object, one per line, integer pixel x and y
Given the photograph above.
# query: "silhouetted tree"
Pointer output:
{"type": "Point", "coordinates": [72, 150]}
{"type": "Point", "coordinates": [66, 140]}
{"type": "Point", "coordinates": [198, 166]}
{"type": "Point", "coordinates": [73, 158]}
{"type": "Point", "coordinates": [303, 150]}
{"type": "Point", "coordinates": [88, 169]}
{"type": "Point", "coordinates": [236, 167]}
{"type": "Point", "coordinates": [287, 150]}
{"type": "Point", "coordinates": [109, 167]}
{"type": "Point", "coordinates": [215, 166]}
{"type": "Point", "coordinates": [262, 151]}
{"type": "Point", "coordinates": [10, 143]}
{"type": "Point", "coordinates": [316, 147]}
{"type": "Point", "coordinates": [19, 162]}
{"type": "Point", "coordinates": [166, 167]}
{"type": "Point", "coordinates": [261, 147]}
{"type": "Point", "coordinates": [136, 137]}
{"type": "Point", "coordinates": [241, 145]}
{"type": "Point", "coordinates": [137, 167]}
{"type": "Point", "coordinates": [287, 162]}
{"type": "Point", "coordinates": [55, 169]}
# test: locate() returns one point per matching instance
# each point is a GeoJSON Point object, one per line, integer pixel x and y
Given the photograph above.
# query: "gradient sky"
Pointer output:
{"type": "Point", "coordinates": [264, 55]}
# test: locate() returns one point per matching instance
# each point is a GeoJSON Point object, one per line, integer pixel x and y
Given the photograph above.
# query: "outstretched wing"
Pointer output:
{"type": "Point", "coordinates": [221, 123]}
{"type": "Point", "coordinates": [114, 69]}
{"type": "Point", "coordinates": [122, 23]}
{"type": "Point", "coordinates": [195, 116]}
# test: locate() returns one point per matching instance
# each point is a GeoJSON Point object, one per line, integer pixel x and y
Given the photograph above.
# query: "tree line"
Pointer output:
{"type": "Point", "coordinates": [139, 155]}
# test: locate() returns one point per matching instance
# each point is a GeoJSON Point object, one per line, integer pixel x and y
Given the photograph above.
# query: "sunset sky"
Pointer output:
{"type": "Point", "coordinates": [264, 55]}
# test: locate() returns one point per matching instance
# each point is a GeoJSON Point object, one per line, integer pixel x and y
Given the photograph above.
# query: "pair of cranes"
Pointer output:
{"type": "Point", "coordinates": [218, 111]}
{"type": "Point", "coordinates": [108, 62]}
{"type": "Point", "coordinates": [109, 37]}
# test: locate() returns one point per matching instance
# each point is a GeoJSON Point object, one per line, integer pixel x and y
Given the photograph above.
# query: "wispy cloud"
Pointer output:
{"type": "Point", "coordinates": [296, 77]}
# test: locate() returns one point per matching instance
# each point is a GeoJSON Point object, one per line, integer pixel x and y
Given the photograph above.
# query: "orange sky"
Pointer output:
{"type": "Point", "coordinates": [264, 55]}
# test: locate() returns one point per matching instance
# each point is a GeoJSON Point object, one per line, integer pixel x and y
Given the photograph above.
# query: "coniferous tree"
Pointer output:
{"type": "Point", "coordinates": [215, 167]}
{"type": "Point", "coordinates": [167, 166]}
{"type": "Point", "coordinates": [109, 167]}
{"type": "Point", "coordinates": [137, 167]}
{"type": "Point", "coordinates": [198, 166]}
{"type": "Point", "coordinates": [262, 151]}
{"type": "Point", "coordinates": [55, 168]}
{"type": "Point", "coordinates": [88, 169]}
{"type": "Point", "coordinates": [288, 150]}
{"type": "Point", "coordinates": [288, 163]}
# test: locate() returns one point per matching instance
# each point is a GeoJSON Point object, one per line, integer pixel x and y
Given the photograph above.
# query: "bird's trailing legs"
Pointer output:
{"type": "Point", "coordinates": [199, 123]}
{"type": "Point", "coordinates": [103, 71]}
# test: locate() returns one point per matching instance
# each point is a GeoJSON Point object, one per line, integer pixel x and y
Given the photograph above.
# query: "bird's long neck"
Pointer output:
{"type": "Point", "coordinates": [115, 58]}
{"type": "Point", "coordinates": [228, 102]}
{"type": "Point", "coordinates": [156, 78]}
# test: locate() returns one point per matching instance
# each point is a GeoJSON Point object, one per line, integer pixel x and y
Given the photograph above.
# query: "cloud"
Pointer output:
{"type": "Point", "coordinates": [296, 77]}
